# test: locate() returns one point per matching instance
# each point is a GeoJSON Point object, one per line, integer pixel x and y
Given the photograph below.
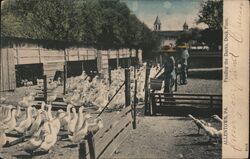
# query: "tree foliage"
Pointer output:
{"type": "Point", "coordinates": [211, 14]}
{"type": "Point", "coordinates": [98, 23]}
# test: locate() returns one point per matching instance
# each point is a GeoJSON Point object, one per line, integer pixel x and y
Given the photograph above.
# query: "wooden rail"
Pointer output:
{"type": "Point", "coordinates": [184, 104]}
{"type": "Point", "coordinates": [107, 140]}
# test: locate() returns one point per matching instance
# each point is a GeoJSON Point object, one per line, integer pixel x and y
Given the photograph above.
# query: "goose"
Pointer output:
{"type": "Point", "coordinates": [11, 124]}
{"type": "Point", "coordinates": [73, 121]}
{"type": "Point", "coordinates": [217, 118]}
{"type": "Point", "coordinates": [26, 123]}
{"type": "Point", "coordinates": [79, 135]}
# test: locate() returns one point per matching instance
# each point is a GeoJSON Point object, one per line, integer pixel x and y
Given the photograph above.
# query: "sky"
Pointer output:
{"type": "Point", "coordinates": [172, 13]}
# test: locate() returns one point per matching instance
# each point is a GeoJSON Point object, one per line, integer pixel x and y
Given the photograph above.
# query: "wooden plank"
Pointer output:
{"type": "Point", "coordinates": [102, 143]}
{"type": "Point", "coordinates": [107, 127]}
{"type": "Point", "coordinates": [116, 142]}
{"type": "Point", "coordinates": [5, 70]}
{"type": "Point", "coordinates": [183, 98]}
{"type": "Point", "coordinates": [12, 71]}
{"type": "Point", "coordinates": [188, 94]}
{"type": "Point", "coordinates": [191, 103]}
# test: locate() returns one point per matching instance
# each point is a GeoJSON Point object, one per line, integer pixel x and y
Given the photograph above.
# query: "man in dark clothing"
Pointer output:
{"type": "Point", "coordinates": [184, 64]}
{"type": "Point", "coordinates": [169, 74]}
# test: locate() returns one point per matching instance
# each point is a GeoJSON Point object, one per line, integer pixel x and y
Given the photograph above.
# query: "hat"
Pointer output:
{"type": "Point", "coordinates": [182, 46]}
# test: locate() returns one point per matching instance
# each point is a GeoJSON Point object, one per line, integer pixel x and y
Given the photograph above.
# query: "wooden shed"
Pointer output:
{"type": "Point", "coordinates": [7, 70]}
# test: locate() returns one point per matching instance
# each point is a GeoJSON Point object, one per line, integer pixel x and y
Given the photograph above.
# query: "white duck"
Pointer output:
{"type": "Point", "coordinates": [49, 113]}
{"type": "Point", "coordinates": [3, 138]}
{"type": "Point", "coordinates": [2, 100]}
{"type": "Point", "coordinates": [52, 98]}
{"type": "Point", "coordinates": [197, 123]}
{"type": "Point", "coordinates": [26, 123]}
{"type": "Point", "coordinates": [217, 118]}
{"type": "Point", "coordinates": [11, 124]}
{"type": "Point", "coordinates": [66, 116]}
{"type": "Point", "coordinates": [76, 99]}
{"type": "Point", "coordinates": [79, 135]}
{"type": "Point", "coordinates": [97, 125]}
{"type": "Point", "coordinates": [35, 141]}
{"type": "Point", "coordinates": [81, 118]}
{"type": "Point", "coordinates": [36, 124]}
{"type": "Point", "coordinates": [51, 136]}
{"type": "Point", "coordinates": [212, 132]}
{"type": "Point", "coordinates": [73, 121]}
{"type": "Point", "coordinates": [6, 113]}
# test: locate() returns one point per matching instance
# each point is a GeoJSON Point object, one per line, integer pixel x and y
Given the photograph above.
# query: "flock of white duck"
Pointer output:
{"type": "Point", "coordinates": [82, 90]}
{"type": "Point", "coordinates": [210, 131]}
{"type": "Point", "coordinates": [41, 126]}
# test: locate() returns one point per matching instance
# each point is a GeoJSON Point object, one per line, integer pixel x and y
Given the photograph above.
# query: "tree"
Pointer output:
{"type": "Point", "coordinates": [211, 14]}
{"type": "Point", "coordinates": [96, 23]}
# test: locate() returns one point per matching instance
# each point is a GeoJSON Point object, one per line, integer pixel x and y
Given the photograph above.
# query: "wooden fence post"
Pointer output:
{"type": "Point", "coordinates": [135, 103]}
{"type": "Point", "coordinates": [45, 88]}
{"type": "Point", "coordinates": [39, 55]}
{"type": "Point", "coordinates": [117, 58]}
{"type": "Point", "coordinates": [109, 71]}
{"type": "Point", "coordinates": [91, 143]}
{"type": "Point", "coordinates": [127, 87]}
{"type": "Point", "coordinates": [82, 150]}
{"type": "Point", "coordinates": [17, 57]}
{"type": "Point", "coordinates": [64, 79]}
{"type": "Point", "coordinates": [175, 81]}
{"type": "Point", "coordinates": [211, 102]}
{"type": "Point", "coordinates": [146, 104]}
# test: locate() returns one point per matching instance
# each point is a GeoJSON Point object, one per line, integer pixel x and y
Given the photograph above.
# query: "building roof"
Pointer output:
{"type": "Point", "coordinates": [174, 33]}
{"type": "Point", "coordinates": [157, 20]}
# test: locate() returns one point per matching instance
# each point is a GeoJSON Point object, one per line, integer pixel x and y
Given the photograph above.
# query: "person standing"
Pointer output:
{"type": "Point", "coordinates": [184, 65]}
{"type": "Point", "coordinates": [169, 74]}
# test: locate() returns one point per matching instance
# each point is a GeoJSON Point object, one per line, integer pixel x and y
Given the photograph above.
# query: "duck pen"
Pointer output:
{"type": "Point", "coordinates": [105, 142]}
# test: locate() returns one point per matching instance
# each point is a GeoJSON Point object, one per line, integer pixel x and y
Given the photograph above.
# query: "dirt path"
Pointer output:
{"type": "Point", "coordinates": [167, 137]}
{"type": "Point", "coordinates": [172, 137]}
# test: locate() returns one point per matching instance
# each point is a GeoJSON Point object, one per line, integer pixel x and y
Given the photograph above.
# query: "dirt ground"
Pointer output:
{"type": "Point", "coordinates": [155, 137]}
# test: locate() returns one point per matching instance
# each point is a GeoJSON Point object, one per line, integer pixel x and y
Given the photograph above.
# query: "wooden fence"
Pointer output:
{"type": "Point", "coordinates": [184, 104]}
